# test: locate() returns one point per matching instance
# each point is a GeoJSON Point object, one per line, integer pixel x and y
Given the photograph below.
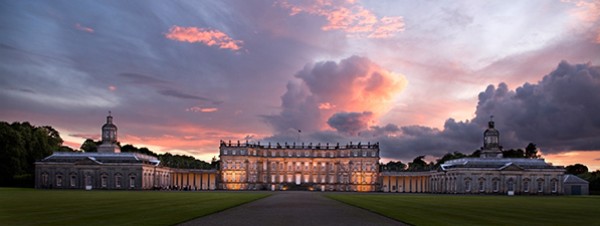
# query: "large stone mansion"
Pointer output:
{"type": "Point", "coordinates": [318, 167]}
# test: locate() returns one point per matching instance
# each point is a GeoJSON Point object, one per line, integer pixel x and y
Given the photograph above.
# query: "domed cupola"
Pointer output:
{"type": "Point", "coordinates": [491, 142]}
{"type": "Point", "coordinates": [109, 130]}
{"type": "Point", "coordinates": [109, 137]}
{"type": "Point", "coordinates": [491, 136]}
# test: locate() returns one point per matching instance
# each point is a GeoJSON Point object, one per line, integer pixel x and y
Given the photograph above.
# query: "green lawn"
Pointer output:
{"type": "Point", "coordinates": [77, 207]}
{"type": "Point", "coordinates": [480, 210]}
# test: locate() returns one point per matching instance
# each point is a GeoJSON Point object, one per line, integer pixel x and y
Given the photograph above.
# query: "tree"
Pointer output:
{"type": "Point", "coordinates": [21, 145]}
{"type": "Point", "coordinates": [89, 145]}
{"type": "Point", "coordinates": [531, 151]}
{"type": "Point", "coordinates": [418, 164]}
{"type": "Point", "coordinates": [576, 169]}
{"type": "Point", "coordinates": [512, 153]}
{"type": "Point", "coordinates": [393, 166]}
{"type": "Point", "coordinates": [449, 156]}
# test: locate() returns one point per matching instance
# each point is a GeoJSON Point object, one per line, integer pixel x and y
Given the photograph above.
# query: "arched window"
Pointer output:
{"type": "Point", "coordinates": [481, 184]}
{"type": "Point", "coordinates": [73, 180]}
{"type": "Point", "coordinates": [59, 180]}
{"type": "Point", "coordinates": [468, 185]}
{"type": "Point", "coordinates": [554, 185]}
{"type": "Point", "coordinates": [510, 185]}
{"type": "Point", "coordinates": [540, 185]}
{"type": "Point", "coordinates": [104, 180]}
{"type": "Point", "coordinates": [495, 185]}
{"type": "Point", "coordinates": [44, 179]}
{"type": "Point", "coordinates": [131, 181]}
{"type": "Point", "coordinates": [526, 185]}
{"type": "Point", "coordinates": [118, 180]}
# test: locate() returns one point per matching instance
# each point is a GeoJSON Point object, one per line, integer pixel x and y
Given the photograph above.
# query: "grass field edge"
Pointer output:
{"type": "Point", "coordinates": [221, 210]}
{"type": "Point", "coordinates": [360, 207]}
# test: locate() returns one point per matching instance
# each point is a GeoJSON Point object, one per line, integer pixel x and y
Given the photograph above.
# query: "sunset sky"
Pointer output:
{"type": "Point", "coordinates": [420, 77]}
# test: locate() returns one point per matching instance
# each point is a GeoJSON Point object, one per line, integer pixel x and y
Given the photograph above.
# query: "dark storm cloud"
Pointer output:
{"type": "Point", "coordinates": [350, 122]}
{"type": "Point", "coordinates": [558, 113]}
{"type": "Point", "coordinates": [324, 88]}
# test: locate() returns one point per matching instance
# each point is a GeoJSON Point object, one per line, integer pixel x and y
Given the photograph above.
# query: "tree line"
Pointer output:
{"type": "Point", "coordinates": [21, 145]}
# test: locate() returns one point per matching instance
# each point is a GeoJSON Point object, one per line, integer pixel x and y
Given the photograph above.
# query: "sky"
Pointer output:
{"type": "Point", "coordinates": [419, 77]}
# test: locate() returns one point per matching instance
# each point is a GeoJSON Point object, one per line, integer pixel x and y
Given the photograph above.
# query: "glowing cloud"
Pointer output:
{"type": "Point", "coordinates": [355, 84]}
{"type": "Point", "coordinates": [349, 17]}
{"type": "Point", "coordinates": [588, 13]}
{"type": "Point", "coordinates": [201, 109]}
{"type": "Point", "coordinates": [209, 37]}
{"type": "Point", "coordinates": [83, 28]}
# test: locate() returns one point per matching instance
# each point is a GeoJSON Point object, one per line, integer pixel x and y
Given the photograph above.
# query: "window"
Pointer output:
{"type": "Point", "coordinates": [59, 180]}
{"type": "Point", "coordinates": [468, 185]}
{"type": "Point", "coordinates": [495, 185]}
{"type": "Point", "coordinates": [511, 185]}
{"type": "Point", "coordinates": [526, 186]}
{"type": "Point", "coordinates": [117, 181]}
{"type": "Point", "coordinates": [554, 186]}
{"type": "Point", "coordinates": [233, 152]}
{"type": "Point", "coordinates": [131, 181]}
{"type": "Point", "coordinates": [224, 152]}
{"type": "Point", "coordinates": [540, 185]}
{"type": "Point", "coordinates": [73, 181]}
{"type": "Point", "coordinates": [45, 179]}
{"type": "Point", "coordinates": [481, 185]}
{"type": "Point", "coordinates": [88, 180]}
{"type": "Point", "coordinates": [103, 180]}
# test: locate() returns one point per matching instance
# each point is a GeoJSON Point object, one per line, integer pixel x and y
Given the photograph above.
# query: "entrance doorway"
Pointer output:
{"type": "Point", "coordinates": [298, 179]}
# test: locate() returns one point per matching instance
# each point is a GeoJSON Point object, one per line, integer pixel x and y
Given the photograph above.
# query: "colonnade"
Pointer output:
{"type": "Point", "coordinates": [200, 180]}
{"type": "Point", "coordinates": [405, 183]}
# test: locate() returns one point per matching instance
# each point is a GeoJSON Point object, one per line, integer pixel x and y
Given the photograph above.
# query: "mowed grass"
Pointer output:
{"type": "Point", "coordinates": [479, 210]}
{"type": "Point", "coordinates": [78, 207]}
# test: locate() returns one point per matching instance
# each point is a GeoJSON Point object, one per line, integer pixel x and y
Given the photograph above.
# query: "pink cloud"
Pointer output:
{"type": "Point", "coordinates": [83, 28]}
{"type": "Point", "coordinates": [209, 37]}
{"type": "Point", "coordinates": [349, 17]}
{"type": "Point", "coordinates": [588, 15]}
{"type": "Point", "coordinates": [112, 88]}
{"type": "Point", "coordinates": [201, 109]}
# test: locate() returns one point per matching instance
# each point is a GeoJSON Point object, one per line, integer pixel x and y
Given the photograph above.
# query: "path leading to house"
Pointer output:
{"type": "Point", "coordinates": [294, 208]}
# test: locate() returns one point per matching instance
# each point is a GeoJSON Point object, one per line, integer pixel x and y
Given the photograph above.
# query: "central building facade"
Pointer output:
{"type": "Point", "coordinates": [351, 167]}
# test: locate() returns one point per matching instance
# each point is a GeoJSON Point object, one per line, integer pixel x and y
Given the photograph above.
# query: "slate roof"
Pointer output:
{"type": "Point", "coordinates": [101, 158]}
{"type": "Point", "coordinates": [572, 179]}
{"type": "Point", "coordinates": [497, 163]}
